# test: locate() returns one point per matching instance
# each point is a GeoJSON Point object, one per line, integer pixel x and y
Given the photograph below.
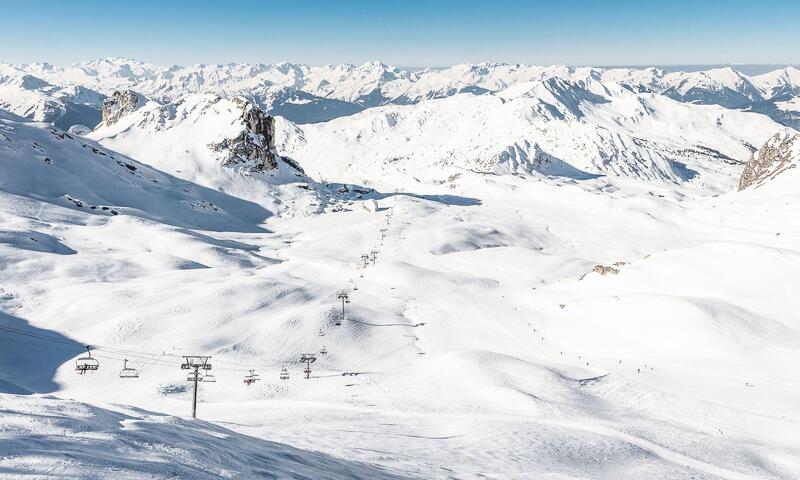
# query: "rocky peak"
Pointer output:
{"type": "Point", "coordinates": [254, 147]}
{"type": "Point", "coordinates": [780, 153]}
{"type": "Point", "coordinates": [119, 104]}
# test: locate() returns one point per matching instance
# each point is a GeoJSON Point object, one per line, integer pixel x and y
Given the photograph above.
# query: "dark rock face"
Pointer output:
{"type": "Point", "coordinates": [254, 147]}
{"type": "Point", "coordinates": [119, 104]}
{"type": "Point", "coordinates": [780, 153]}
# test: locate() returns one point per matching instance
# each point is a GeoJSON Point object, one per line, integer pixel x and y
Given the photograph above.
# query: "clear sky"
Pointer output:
{"type": "Point", "coordinates": [404, 32]}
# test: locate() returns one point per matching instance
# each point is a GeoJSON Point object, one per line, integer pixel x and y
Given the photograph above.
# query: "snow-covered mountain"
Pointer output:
{"type": "Point", "coordinates": [552, 127]}
{"type": "Point", "coordinates": [41, 162]}
{"type": "Point", "coordinates": [224, 144]}
{"type": "Point", "coordinates": [306, 94]}
{"type": "Point", "coordinates": [550, 273]}
{"type": "Point", "coordinates": [33, 98]}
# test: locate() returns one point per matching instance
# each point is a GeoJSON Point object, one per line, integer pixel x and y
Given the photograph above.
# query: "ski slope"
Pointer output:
{"type": "Point", "coordinates": [517, 321]}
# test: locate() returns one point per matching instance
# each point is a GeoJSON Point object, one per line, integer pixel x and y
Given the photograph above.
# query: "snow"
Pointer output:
{"type": "Point", "coordinates": [74, 440]}
{"type": "Point", "coordinates": [480, 343]}
{"type": "Point", "coordinates": [552, 127]}
{"type": "Point", "coordinates": [308, 94]}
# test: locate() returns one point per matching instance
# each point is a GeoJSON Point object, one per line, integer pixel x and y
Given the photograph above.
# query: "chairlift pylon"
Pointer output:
{"type": "Point", "coordinates": [128, 372]}
{"type": "Point", "coordinates": [87, 363]}
{"type": "Point", "coordinates": [308, 359]}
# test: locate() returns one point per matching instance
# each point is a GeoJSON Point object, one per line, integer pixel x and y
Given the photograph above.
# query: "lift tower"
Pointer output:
{"type": "Point", "coordinates": [195, 363]}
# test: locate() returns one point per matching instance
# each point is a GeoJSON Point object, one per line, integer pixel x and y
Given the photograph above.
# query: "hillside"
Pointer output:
{"type": "Point", "coordinates": [554, 128]}
{"type": "Point", "coordinates": [500, 271]}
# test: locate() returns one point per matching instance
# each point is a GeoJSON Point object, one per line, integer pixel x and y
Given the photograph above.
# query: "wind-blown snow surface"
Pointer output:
{"type": "Point", "coordinates": [75, 440]}
{"type": "Point", "coordinates": [480, 343]}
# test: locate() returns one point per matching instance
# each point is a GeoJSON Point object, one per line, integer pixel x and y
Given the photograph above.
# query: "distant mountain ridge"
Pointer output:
{"type": "Point", "coordinates": [310, 94]}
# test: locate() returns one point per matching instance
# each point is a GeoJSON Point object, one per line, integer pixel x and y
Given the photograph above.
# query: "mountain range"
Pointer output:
{"type": "Point", "coordinates": [305, 94]}
{"type": "Point", "coordinates": [500, 271]}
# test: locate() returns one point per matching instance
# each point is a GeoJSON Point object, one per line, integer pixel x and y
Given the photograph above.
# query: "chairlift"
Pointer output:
{"type": "Point", "coordinates": [321, 333]}
{"type": "Point", "coordinates": [128, 372]}
{"type": "Point", "coordinates": [284, 374]}
{"type": "Point", "coordinates": [210, 378]}
{"type": "Point", "coordinates": [251, 378]}
{"type": "Point", "coordinates": [323, 351]}
{"type": "Point", "coordinates": [307, 371]}
{"type": "Point", "coordinates": [87, 363]}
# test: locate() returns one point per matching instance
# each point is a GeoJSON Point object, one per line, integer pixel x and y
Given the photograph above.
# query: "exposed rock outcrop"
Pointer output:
{"type": "Point", "coordinates": [603, 270]}
{"type": "Point", "coordinates": [119, 104]}
{"type": "Point", "coordinates": [780, 153]}
{"type": "Point", "coordinates": [254, 147]}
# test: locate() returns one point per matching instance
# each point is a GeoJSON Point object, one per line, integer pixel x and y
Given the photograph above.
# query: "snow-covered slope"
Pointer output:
{"type": "Point", "coordinates": [723, 86]}
{"type": "Point", "coordinates": [224, 144]}
{"type": "Point", "coordinates": [33, 98]}
{"type": "Point", "coordinates": [560, 279]}
{"type": "Point", "coordinates": [40, 162]}
{"type": "Point", "coordinates": [553, 127]}
{"type": "Point", "coordinates": [66, 439]}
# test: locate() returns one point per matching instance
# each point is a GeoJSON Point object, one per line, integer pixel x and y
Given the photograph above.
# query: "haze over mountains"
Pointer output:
{"type": "Point", "coordinates": [552, 272]}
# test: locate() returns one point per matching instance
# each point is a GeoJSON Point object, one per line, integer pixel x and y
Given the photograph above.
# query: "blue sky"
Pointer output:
{"type": "Point", "coordinates": [405, 33]}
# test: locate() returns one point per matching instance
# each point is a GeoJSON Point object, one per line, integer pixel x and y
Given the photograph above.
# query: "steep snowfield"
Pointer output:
{"type": "Point", "coordinates": [178, 138]}
{"type": "Point", "coordinates": [42, 163]}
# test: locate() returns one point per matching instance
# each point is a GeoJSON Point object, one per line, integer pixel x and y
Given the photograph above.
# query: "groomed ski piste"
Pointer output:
{"type": "Point", "coordinates": [486, 335]}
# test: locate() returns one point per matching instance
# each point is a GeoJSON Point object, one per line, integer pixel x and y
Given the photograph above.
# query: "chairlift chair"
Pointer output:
{"type": "Point", "coordinates": [87, 363]}
{"type": "Point", "coordinates": [321, 333]}
{"type": "Point", "coordinates": [251, 378]}
{"type": "Point", "coordinates": [209, 378]}
{"type": "Point", "coordinates": [323, 351]}
{"type": "Point", "coordinates": [194, 377]}
{"type": "Point", "coordinates": [128, 372]}
{"type": "Point", "coordinates": [284, 374]}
